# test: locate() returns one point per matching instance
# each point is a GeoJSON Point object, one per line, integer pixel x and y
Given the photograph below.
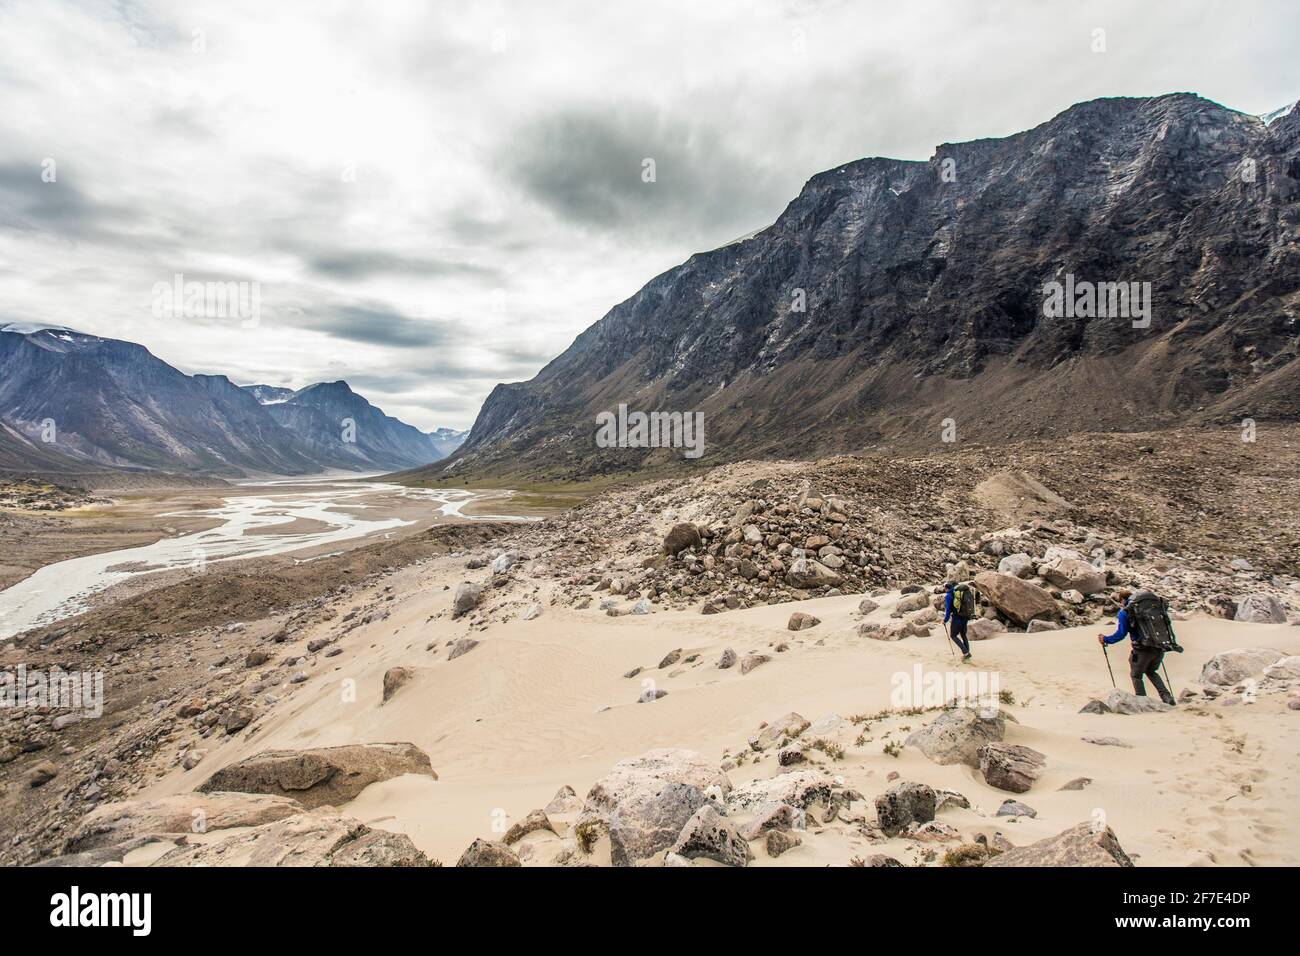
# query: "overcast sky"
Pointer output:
{"type": "Point", "coordinates": [436, 196]}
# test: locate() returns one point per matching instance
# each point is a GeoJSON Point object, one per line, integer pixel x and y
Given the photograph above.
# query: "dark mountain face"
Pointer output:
{"type": "Point", "coordinates": [67, 397]}
{"type": "Point", "coordinates": [891, 296]}
{"type": "Point", "coordinates": [113, 403]}
{"type": "Point", "coordinates": [343, 430]}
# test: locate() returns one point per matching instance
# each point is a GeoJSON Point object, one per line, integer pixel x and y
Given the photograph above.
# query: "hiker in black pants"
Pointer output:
{"type": "Point", "coordinates": [957, 600]}
{"type": "Point", "coordinates": [1147, 654]}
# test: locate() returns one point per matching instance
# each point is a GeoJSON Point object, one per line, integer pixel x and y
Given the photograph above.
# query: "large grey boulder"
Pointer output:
{"type": "Point", "coordinates": [1260, 609]}
{"type": "Point", "coordinates": [1019, 565]}
{"type": "Point", "coordinates": [682, 536]}
{"type": "Point", "coordinates": [905, 804]}
{"type": "Point", "coordinates": [800, 789]}
{"type": "Point", "coordinates": [1010, 767]}
{"type": "Point", "coordinates": [487, 853]}
{"type": "Point", "coordinates": [394, 679]}
{"type": "Point", "coordinates": [323, 776]}
{"type": "Point", "coordinates": [1075, 575]}
{"type": "Point", "coordinates": [711, 835]}
{"type": "Point", "coordinates": [957, 735]}
{"type": "Point", "coordinates": [1123, 702]}
{"type": "Point", "coordinates": [186, 813]}
{"type": "Point", "coordinates": [1082, 845]}
{"type": "Point", "coordinates": [808, 574]}
{"type": "Point", "coordinates": [1018, 600]}
{"type": "Point", "coordinates": [466, 599]}
{"type": "Point", "coordinates": [319, 838]}
{"type": "Point", "coordinates": [1232, 667]}
{"type": "Point", "coordinates": [778, 731]}
{"type": "Point", "coordinates": [645, 801]}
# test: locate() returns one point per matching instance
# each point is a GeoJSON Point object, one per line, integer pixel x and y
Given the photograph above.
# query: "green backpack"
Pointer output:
{"type": "Point", "coordinates": [963, 601]}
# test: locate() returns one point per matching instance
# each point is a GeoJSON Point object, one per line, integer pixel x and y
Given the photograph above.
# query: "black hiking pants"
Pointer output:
{"type": "Point", "coordinates": [958, 634]}
{"type": "Point", "coordinates": [1145, 662]}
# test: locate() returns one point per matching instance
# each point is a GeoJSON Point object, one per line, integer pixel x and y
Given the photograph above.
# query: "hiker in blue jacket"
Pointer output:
{"type": "Point", "coordinates": [958, 629]}
{"type": "Point", "coordinates": [1143, 661]}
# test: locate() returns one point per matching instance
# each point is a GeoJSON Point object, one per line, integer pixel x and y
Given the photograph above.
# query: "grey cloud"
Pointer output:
{"type": "Point", "coordinates": [375, 325]}
{"type": "Point", "coordinates": [360, 264]}
{"type": "Point", "coordinates": [586, 165]}
{"type": "Point", "coordinates": [29, 204]}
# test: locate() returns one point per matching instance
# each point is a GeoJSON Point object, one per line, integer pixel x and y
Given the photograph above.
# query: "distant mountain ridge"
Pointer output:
{"type": "Point", "coordinates": [69, 400]}
{"type": "Point", "coordinates": [892, 296]}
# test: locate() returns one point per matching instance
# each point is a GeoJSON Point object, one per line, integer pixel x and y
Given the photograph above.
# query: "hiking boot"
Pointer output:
{"type": "Point", "coordinates": [965, 657]}
{"type": "Point", "coordinates": [1169, 699]}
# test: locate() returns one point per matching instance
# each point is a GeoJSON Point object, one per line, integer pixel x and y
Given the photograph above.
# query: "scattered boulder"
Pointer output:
{"type": "Point", "coordinates": [487, 853]}
{"type": "Point", "coordinates": [1234, 666]}
{"type": "Point", "coordinates": [1010, 767]}
{"type": "Point", "coordinates": [779, 841]}
{"type": "Point", "coordinates": [394, 678]}
{"type": "Point", "coordinates": [566, 800]}
{"type": "Point", "coordinates": [1124, 702]}
{"type": "Point", "coordinates": [1074, 575]}
{"type": "Point", "coordinates": [800, 621]}
{"type": "Point", "coordinates": [323, 838]}
{"type": "Point", "coordinates": [709, 834]}
{"type": "Point", "coordinates": [462, 647]}
{"type": "Point", "coordinates": [904, 804]}
{"type": "Point", "coordinates": [1017, 600]}
{"type": "Point", "coordinates": [466, 599]}
{"type": "Point", "coordinates": [537, 820]}
{"type": "Point", "coordinates": [1082, 845]}
{"type": "Point", "coordinates": [323, 776]}
{"type": "Point", "coordinates": [800, 789]}
{"type": "Point", "coordinates": [778, 731]}
{"type": "Point", "coordinates": [984, 628]}
{"type": "Point", "coordinates": [113, 823]}
{"type": "Point", "coordinates": [680, 537]}
{"type": "Point", "coordinates": [912, 602]}
{"type": "Point", "coordinates": [750, 661]}
{"type": "Point", "coordinates": [1288, 668]}
{"type": "Point", "coordinates": [774, 816]}
{"type": "Point", "coordinates": [807, 574]}
{"type": "Point", "coordinates": [957, 735]}
{"type": "Point", "coordinates": [1014, 808]}
{"type": "Point", "coordinates": [1261, 609]}
{"type": "Point", "coordinates": [1019, 565]}
{"type": "Point", "coordinates": [646, 801]}
{"type": "Point", "coordinates": [727, 659]}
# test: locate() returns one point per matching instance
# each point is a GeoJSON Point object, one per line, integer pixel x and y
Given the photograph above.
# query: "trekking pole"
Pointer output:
{"type": "Point", "coordinates": [1106, 654]}
{"type": "Point", "coordinates": [947, 639]}
{"type": "Point", "coordinates": [1168, 682]}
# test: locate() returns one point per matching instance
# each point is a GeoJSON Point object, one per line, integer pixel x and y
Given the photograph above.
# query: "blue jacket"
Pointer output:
{"type": "Point", "coordinates": [1122, 629]}
{"type": "Point", "coordinates": [947, 606]}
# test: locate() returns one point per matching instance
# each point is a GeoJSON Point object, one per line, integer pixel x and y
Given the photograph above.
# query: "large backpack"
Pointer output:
{"type": "Point", "coordinates": [1148, 617]}
{"type": "Point", "coordinates": [963, 601]}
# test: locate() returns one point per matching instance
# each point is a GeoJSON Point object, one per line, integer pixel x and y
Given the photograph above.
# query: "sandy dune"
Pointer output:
{"type": "Point", "coordinates": [543, 703]}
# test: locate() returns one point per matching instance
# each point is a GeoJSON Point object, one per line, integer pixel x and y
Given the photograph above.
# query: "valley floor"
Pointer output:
{"type": "Point", "coordinates": [555, 671]}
